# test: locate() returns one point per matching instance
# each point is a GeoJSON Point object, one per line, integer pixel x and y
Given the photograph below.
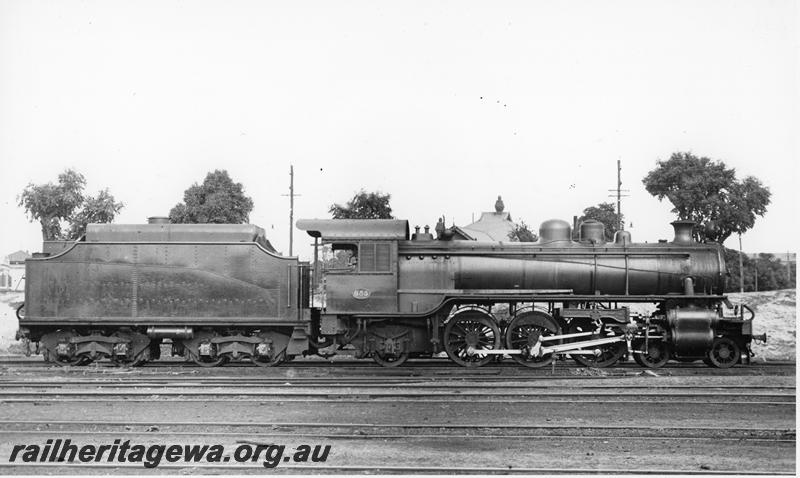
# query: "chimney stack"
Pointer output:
{"type": "Point", "coordinates": [683, 232]}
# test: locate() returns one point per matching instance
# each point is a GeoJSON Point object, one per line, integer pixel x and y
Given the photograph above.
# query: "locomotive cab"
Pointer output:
{"type": "Point", "coordinates": [362, 278]}
{"type": "Point", "coordinates": [361, 275]}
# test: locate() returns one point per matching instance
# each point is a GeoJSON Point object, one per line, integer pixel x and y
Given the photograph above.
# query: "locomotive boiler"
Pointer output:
{"type": "Point", "coordinates": [221, 292]}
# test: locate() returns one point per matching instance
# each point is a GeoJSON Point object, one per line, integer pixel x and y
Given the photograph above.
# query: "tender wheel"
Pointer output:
{"type": "Point", "coordinates": [389, 360]}
{"type": "Point", "coordinates": [522, 334]}
{"type": "Point", "coordinates": [59, 341]}
{"type": "Point", "coordinates": [137, 362]}
{"type": "Point", "coordinates": [201, 350]}
{"type": "Point", "coordinates": [269, 362]}
{"type": "Point", "coordinates": [724, 353]}
{"type": "Point", "coordinates": [609, 354]}
{"type": "Point", "coordinates": [273, 349]}
{"type": "Point", "coordinates": [138, 349]}
{"type": "Point", "coordinates": [466, 334]}
{"type": "Point", "coordinates": [72, 361]}
{"type": "Point", "coordinates": [209, 362]}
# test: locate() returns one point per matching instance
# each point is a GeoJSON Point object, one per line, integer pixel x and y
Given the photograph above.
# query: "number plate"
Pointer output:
{"type": "Point", "coordinates": [361, 294]}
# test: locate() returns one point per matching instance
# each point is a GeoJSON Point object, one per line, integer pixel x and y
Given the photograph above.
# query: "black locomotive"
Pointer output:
{"type": "Point", "coordinates": [222, 293]}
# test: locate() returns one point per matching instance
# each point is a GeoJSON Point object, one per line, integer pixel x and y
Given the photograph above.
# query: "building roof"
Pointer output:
{"type": "Point", "coordinates": [492, 226]}
{"type": "Point", "coordinates": [17, 257]}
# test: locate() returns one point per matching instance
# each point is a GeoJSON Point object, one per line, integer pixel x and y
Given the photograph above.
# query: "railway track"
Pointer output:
{"type": "Point", "coordinates": [329, 389]}
{"type": "Point", "coordinates": [367, 430]}
{"type": "Point", "coordinates": [785, 401]}
{"type": "Point", "coordinates": [89, 391]}
{"type": "Point", "coordinates": [369, 383]}
{"type": "Point", "coordinates": [423, 367]}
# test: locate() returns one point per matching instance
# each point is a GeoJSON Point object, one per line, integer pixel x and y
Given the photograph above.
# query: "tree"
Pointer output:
{"type": "Point", "coordinates": [708, 193]}
{"type": "Point", "coordinates": [771, 272]}
{"type": "Point", "coordinates": [217, 201]}
{"type": "Point", "coordinates": [54, 204]}
{"type": "Point", "coordinates": [606, 213]}
{"type": "Point", "coordinates": [100, 209]}
{"type": "Point", "coordinates": [522, 233]}
{"type": "Point", "coordinates": [364, 205]}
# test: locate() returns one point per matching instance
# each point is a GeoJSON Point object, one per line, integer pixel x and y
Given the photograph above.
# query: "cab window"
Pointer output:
{"type": "Point", "coordinates": [344, 258]}
{"type": "Point", "coordinates": [375, 257]}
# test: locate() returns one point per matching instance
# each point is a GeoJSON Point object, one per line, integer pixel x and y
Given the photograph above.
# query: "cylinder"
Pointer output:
{"type": "Point", "coordinates": [692, 330]}
{"type": "Point", "coordinates": [593, 232]}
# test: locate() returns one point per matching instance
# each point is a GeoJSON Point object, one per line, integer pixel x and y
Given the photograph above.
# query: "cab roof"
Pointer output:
{"type": "Point", "coordinates": [339, 229]}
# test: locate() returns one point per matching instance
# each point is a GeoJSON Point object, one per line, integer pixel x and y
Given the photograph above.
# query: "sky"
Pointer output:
{"type": "Point", "coordinates": [443, 104]}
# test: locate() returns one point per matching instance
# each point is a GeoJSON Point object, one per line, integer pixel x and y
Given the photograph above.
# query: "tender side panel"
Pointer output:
{"type": "Point", "coordinates": [144, 282]}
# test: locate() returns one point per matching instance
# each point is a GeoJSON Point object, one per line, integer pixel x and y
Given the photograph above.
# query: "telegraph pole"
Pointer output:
{"type": "Point", "coordinates": [741, 267]}
{"type": "Point", "coordinates": [755, 263]}
{"type": "Point", "coordinates": [619, 195]}
{"type": "Point", "coordinates": [291, 208]}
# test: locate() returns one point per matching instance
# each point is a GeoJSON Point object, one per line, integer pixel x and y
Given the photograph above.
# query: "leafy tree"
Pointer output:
{"type": "Point", "coordinates": [522, 233]}
{"type": "Point", "coordinates": [708, 193]}
{"type": "Point", "coordinates": [364, 205]}
{"type": "Point", "coordinates": [606, 213]}
{"type": "Point", "coordinates": [54, 204]}
{"type": "Point", "coordinates": [771, 272]}
{"type": "Point", "coordinates": [217, 201]}
{"type": "Point", "coordinates": [100, 209]}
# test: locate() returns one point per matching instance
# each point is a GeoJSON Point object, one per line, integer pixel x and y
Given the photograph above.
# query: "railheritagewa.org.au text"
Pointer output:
{"type": "Point", "coordinates": [153, 455]}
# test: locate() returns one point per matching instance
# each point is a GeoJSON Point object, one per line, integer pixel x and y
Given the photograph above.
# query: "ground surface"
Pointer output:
{"type": "Point", "coordinates": [687, 419]}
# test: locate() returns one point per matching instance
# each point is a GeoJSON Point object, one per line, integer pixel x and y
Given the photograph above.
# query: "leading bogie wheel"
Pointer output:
{"type": "Point", "coordinates": [523, 334]}
{"type": "Point", "coordinates": [658, 351]}
{"type": "Point", "coordinates": [658, 354]}
{"type": "Point", "coordinates": [724, 353]}
{"type": "Point", "coordinates": [467, 334]}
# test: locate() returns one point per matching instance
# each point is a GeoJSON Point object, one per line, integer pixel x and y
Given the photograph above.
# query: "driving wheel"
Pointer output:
{"type": "Point", "coordinates": [609, 353]}
{"type": "Point", "coordinates": [523, 333]}
{"type": "Point", "coordinates": [467, 334]}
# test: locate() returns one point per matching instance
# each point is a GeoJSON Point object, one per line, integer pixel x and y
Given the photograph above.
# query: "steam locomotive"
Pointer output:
{"type": "Point", "coordinates": [220, 293]}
